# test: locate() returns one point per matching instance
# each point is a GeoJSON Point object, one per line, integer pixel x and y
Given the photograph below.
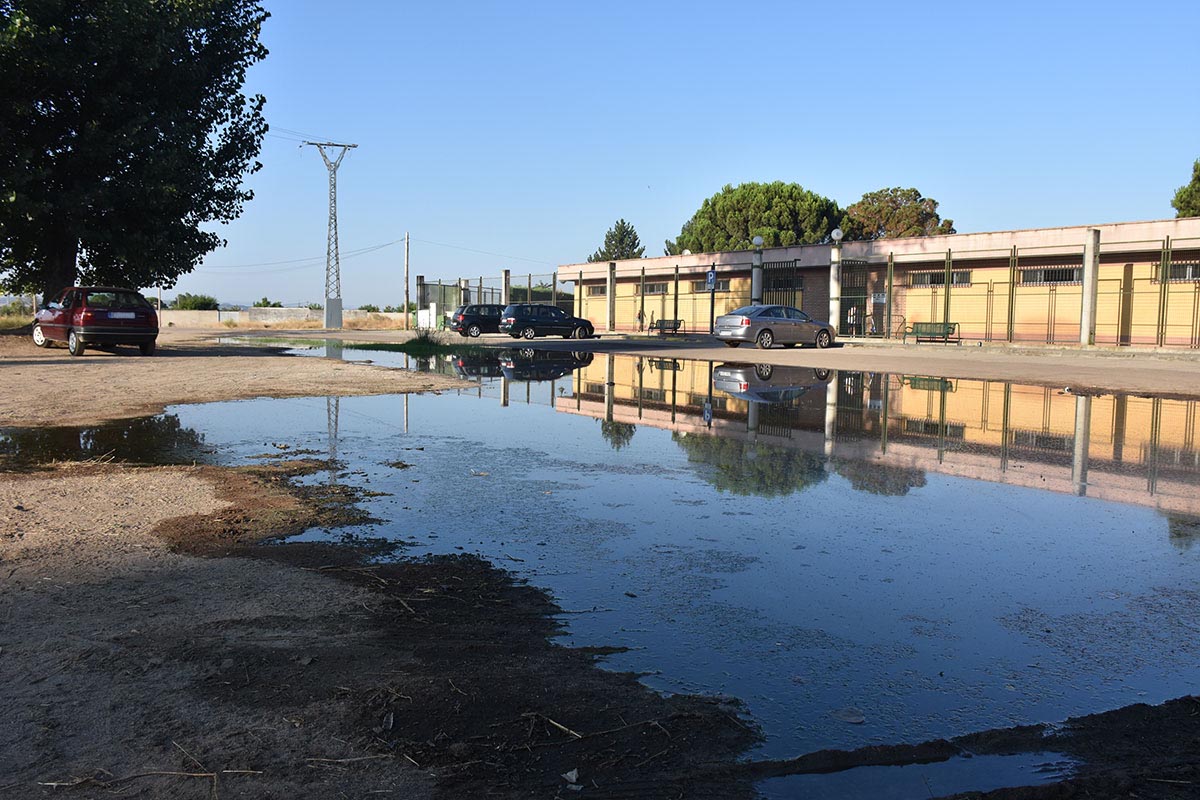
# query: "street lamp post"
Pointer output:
{"type": "Point", "coordinates": [756, 272]}
{"type": "Point", "coordinates": [835, 280]}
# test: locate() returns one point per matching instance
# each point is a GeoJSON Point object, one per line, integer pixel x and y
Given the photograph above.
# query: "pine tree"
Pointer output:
{"type": "Point", "coordinates": [621, 242]}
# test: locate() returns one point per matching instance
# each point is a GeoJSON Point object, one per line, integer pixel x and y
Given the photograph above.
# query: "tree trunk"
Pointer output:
{"type": "Point", "coordinates": [60, 271]}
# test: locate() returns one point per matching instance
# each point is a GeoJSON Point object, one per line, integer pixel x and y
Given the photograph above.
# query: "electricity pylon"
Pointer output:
{"type": "Point", "coordinates": [333, 266]}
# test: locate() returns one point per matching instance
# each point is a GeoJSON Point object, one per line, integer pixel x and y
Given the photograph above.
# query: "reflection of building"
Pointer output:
{"type": "Point", "coordinates": [1019, 286]}
{"type": "Point", "coordinates": [1126, 449]}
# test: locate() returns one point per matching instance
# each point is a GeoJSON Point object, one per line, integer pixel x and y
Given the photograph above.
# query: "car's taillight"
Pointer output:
{"type": "Point", "coordinates": [458, 317]}
{"type": "Point", "coordinates": [87, 314]}
{"type": "Point", "coordinates": [742, 387]}
{"type": "Point", "coordinates": [745, 321]}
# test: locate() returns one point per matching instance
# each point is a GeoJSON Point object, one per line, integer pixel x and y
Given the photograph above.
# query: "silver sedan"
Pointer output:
{"type": "Point", "coordinates": [767, 325]}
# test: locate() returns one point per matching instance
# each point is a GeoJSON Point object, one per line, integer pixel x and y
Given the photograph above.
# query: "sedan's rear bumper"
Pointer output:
{"type": "Point", "coordinates": [111, 335]}
{"type": "Point", "coordinates": [742, 333]}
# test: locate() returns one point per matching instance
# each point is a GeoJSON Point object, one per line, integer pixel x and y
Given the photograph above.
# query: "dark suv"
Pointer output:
{"type": "Point", "coordinates": [527, 320]}
{"type": "Point", "coordinates": [476, 319]}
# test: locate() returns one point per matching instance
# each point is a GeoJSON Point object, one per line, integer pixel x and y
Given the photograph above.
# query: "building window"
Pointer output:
{"type": "Point", "coordinates": [597, 291]}
{"type": "Point", "coordinates": [718, 403]}
{"type": "Point", "coordinates": [702, 286]}
{"type": "Point", "coordinates": [653, 395]}
{"type": "Point", "coordinates": [593, 388]}
{"type": "Point", "coordinates": [919, 280]}
{"type": "Point", "coordinates": [656, 288]}
{"type": "Point", "coordinates": [1187, 271]}
{"type": "Point", "coordinates": [785, 282]}
{"type": "Point", "coordinates": [1048, 275]}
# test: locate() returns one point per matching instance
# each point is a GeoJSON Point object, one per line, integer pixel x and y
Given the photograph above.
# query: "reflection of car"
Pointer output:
{"type": "Point", "coordinates": [527, 320]}
{"type": "Point", "coordinates": [528, 364]}
{"type": "Point", "coordinates": [769, 325]}
{"type": "Point", "coordinates": [766, 383]}
{"type": "Point", "coordinates": [476, 319]}
{"type": "Point", "coordinates": [476, 366]}
{"type": "Point", "coordinates": [100, 316]}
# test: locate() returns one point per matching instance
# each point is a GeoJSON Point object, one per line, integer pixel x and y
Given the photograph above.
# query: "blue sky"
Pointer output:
{"type": "Point", "coordinates": [526, 129]}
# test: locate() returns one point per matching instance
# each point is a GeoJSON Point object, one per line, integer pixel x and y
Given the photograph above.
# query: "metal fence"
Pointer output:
{"type": "Point", "coordinates": [1032, 294]}
{"type": "Point", "coordinates": [526, 288]}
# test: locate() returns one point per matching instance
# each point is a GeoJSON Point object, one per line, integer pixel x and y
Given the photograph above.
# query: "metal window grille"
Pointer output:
{"type": "Point", "coordinates": [1049, 275]}
{"type": "Point", "coordinates": [924, 279]}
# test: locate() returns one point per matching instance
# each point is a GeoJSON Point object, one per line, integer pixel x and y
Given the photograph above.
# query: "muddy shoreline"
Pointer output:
{"type": "Point", "coordinates": [170, 645]}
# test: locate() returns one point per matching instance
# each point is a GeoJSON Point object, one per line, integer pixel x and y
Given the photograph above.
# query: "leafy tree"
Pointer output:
{"type": "Point", "coordinates": [1187, 199]}
{"type": "Point", "coordinates": [315, 307]}
{"type": "Point", "coordinates": [125, 134]}
{"type": "Point", "coordinates": [894, 214]}
{"type": "Point", "coordinates": [882, 479]}
{"type": "Point", "coordinates": [751, 468]}
{"type": "Point", "coordinates": [617, 434]}
{"type": "Point", "coordinates": [369, 308]}
{"type": "Point", "coordinates": [782, 213]}
{"type": "Point", "coordinates": [195, 302]}
{"type": "Point", "coordinates": [267, 303]}
{"type": "Point", "coordinates": [621, 242]}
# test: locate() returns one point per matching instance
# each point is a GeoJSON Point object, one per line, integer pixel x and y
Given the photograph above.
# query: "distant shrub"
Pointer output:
{"type": "Point", "coordinates": [267, 303]}
{"type": "Point", "coordinates": [195, 302]}
{"type": "Point", "coordinates": [315, 307]}
{"type": "Point", "coordinates": [369, 308]}
{"type": "Point", "coordinates": [230, 323]}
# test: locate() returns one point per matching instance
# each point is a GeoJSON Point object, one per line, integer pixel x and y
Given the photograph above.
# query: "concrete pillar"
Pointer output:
{"type": "Point", "coordinates": [756, 277]}
{"type": "Point", "coordinates": [610, 294]}
{"type": "Point", "coordinates": [506, 288]}
{"type": "Point", "coordinates": [835, 287]}
{"type": "Point", "coordinates": [1083, 428]}
{"type": "Point", "coordinates": [1091, 272]}
{"type": "Point", "coordinates": [610, 386]}
{"type": "Point", "coordinates": [464, 292]}
{"type": "Point", "coordinates": [333, 313]}
{"type": "Point", "coordinates": [831, 398]}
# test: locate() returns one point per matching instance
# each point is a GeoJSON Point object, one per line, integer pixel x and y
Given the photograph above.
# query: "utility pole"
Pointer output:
{"type": "Point", "coordinates": [333, 266]}
{"type": "Point", "coordinates": [406, 313]}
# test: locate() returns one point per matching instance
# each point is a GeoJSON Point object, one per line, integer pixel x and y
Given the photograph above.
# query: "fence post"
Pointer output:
{"type": "Point", "coordinates": [675, 314]}
{"type": "Point", "coordinates": [642, 296]}
{"type": "Point", "coordinates": [554, 289]}
{"type": "Point", "coordinates": [1164, 282]}
{"type": "Point", "coordinates": [506, 288]}
{"type": "Point", "coordinates": [529, 288]}
{"type": "Point", "coordinates": [579, 292]}
{"type": "Point", "coordinates": [946, 295]}
{"type": "Point", "coordinates": [891, 273]}
{"type": "Point", "coordinates": [1012, 293]}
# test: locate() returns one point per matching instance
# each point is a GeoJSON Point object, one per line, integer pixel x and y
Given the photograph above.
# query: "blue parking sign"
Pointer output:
{"type": "Point", "coordinates": [710, 280]}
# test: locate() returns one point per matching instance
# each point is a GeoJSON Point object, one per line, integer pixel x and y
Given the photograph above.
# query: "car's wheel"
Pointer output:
{"type": "Point", "coordinates": [39, 337]}
{"type": "Point", "coordinates": [764, 371]}
{"type": "Point", "coordinates": [824, 339]}
{"type": "Point", "coordinates": [147, 348]}
{"type": "Point", "coordinates": [473, 331]}
{"type": "Point", "coordinates": [580, 333]}
{"type": "Point", "coordinates": [528, 333]}
{"type": "Point", "coordinates": [74, 344]}
{"type": "Point", "coordinates": [526, 352]}
{"type": "Point", "coordinates": [765, 340]}
{"type": "Point", "coordinates": [732, 344]}
{"type": "Point", "coordinates": [821, 374]}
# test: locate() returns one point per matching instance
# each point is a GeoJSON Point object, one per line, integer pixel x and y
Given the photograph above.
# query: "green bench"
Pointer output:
{"type": "Point", "coordinates": [666, 325]}
{"type": "Point", "coordinates": [933, 332]}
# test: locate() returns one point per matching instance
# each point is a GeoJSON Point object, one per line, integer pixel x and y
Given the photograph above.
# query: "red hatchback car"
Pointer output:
{"type": "Point", "coordinates": [97, 316]}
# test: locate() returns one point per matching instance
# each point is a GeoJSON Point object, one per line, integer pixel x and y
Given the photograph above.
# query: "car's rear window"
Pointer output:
{"type": "Point", "coordinates": [116, 300]}
{"type": "Point", "coordinates": [745, 310]}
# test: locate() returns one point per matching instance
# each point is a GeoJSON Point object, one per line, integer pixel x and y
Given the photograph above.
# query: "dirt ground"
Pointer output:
{"type": "Point", "coordinates": [159, 641]}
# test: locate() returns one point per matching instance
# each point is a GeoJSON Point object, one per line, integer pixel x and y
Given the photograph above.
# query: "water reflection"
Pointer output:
{"type": "Point", "coordinates": [741, 467]}
{"type": "Point", "coordinates": [149, 440]}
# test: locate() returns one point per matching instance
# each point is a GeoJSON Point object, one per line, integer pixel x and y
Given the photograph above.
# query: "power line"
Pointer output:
{"type": "Point", "coordinates": [485, 252]}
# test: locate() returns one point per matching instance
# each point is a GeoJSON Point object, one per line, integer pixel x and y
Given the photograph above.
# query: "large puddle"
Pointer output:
{"type": "Point", "coordinates": [861, 558]}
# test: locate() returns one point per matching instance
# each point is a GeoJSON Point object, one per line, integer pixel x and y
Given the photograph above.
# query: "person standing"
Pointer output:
{"type": "Point", "coordinates": [640, 320]}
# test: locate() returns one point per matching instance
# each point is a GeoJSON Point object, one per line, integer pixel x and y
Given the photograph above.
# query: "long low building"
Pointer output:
{"type": "Point", "coordinates": [1129, 283]}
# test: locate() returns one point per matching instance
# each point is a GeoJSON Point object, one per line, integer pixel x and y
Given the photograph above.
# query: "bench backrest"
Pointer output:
{"type": "Point", "coordinates": [934, 327]}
